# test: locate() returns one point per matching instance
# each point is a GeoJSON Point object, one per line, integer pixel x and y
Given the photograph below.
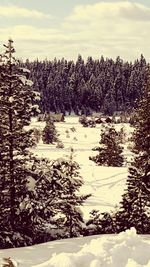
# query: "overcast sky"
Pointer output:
{"type": "Point", "coordinates": [65, 28]}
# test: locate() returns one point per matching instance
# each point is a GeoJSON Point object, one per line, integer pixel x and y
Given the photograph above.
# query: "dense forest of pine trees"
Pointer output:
{"type": "Point", "coordinates": [104, 85]}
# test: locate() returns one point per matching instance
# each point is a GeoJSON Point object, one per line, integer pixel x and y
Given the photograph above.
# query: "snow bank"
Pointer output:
{"type": "Point", "coordinates": [126, 249]}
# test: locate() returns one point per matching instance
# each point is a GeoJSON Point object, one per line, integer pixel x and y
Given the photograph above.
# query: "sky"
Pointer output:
{"type": "Point", "coordinates": [66, 28]}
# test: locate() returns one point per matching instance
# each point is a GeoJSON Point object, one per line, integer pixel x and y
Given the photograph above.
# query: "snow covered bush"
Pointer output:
{"type": "Point", "coordinates": [100, 223]}
{"type": "Point", "coordinates": [60, 144]}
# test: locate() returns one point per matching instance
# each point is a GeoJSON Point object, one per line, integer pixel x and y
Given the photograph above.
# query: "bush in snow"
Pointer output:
{"type": "Point", "coordinates": [59, 144]}
{"type": "Point", "coordinates": [83, 120]}
{"type": "Point", "coordinates": [87, 122]}
{"type": "Point", "coordinates": [100, 223]}
{"type": "Point", "coordinates": [73, 129]}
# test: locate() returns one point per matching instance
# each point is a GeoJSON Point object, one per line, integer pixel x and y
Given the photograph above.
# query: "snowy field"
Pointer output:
{"type": "Point", "coordinates": [106, 184]}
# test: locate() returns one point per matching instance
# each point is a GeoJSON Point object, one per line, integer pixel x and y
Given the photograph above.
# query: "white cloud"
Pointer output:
{"type": "Point", "coordinates": [111, 29]}
{"type": "Point", "coordinates": [20, 12]}
{"type": "Point", "coordinates": [118, 28]}
{"type": "Point", "coordinates": [107, 10]}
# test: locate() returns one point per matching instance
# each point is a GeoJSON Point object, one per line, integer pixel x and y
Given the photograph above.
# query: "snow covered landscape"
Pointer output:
{"type": "Point", "coordinates": [106, 184]}
{"type": "Point", "coordinates": [74, 133]}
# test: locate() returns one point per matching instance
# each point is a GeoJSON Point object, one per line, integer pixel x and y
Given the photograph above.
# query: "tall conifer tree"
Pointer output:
{"type": "Point", "coordinates": [135, 205]}
{"type": "Point", "coordinates": [16, 99]}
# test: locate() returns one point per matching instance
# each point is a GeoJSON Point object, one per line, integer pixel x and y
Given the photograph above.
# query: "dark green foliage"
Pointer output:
{"type": "Point", "coordinates": [87, 122]}
{"type": "Point", "coordinates": [135, 204]}
{"type": "Point", "coordinates": [83, 120]}
{"type": "Point", "coordinates": [56, 199]}
{"type": "Point", "coordinates": [16, 105]}
{"type": "Point", "coordinates": [109, 150]}
{"type": "Point", "coordinates": [100, 223]}
{"type": "Point", "coordinates": [49, 133]}
{"type": "Point", "coordinates": [121, 135]}
{"type": "Point", "coordinates": [66, 173]}
{"type": "Point", "coordinates": [104, 85]}
{"type": "Point", "coordinates": [36, 135]}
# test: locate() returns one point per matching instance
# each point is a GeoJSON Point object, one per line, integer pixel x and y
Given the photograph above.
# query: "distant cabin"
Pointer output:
{"type": "Point", "coordinates": [58, 117]}
{"type": "Point", "coordinates": [118, 113]}
{"type": "Point", "coordinates": [97, 114]}
{"type": "Point", "coordinates": [103, 120]}
{"type": "Point", "coordinates": [98, 120]}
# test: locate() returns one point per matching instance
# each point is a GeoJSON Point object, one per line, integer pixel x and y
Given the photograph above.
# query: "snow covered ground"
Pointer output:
{"type": "Point", "coordinates": [106, 184]}
{"type": "Point", "coordinates": [126, 249]}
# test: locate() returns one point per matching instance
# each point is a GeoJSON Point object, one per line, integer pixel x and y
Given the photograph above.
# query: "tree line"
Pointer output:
{"type": "Point", "coordinates": [102, 85]}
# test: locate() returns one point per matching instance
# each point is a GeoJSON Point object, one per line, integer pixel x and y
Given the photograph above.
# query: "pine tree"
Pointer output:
{"type": "Point", "coordinates": [93, 225]}
{"type": "Point", "coordinates": [135, 204]}
{"type": "Point", "coordinates": [109, 150]}
{"type": "Point", "coordinates": [49, 133]}
{"type": "Point", "coordinates": [16, 105]}
{"type": "Point", "coordinates": [100, 223]}
{"type": "Point", "coordinates": [56, 199]}
{"type": "Point", "coordinates": [66, 173]}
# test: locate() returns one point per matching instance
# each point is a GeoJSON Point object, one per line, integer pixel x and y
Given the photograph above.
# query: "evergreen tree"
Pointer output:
{"type": "Point", "coordinates": [66, 172]}
{"type": "Point", "coordinates": [16, 105]}
{"type": "Point", "coordinates": [56, 198]}
{"type": "Point", "coordinates": [109, 150]}
{"type": "Point", "coordinates": [49, 133]}
{"type": "Point", "coordinates": [135, 205]}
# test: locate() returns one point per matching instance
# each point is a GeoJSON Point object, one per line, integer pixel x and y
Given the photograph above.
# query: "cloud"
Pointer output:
{"type": "Point", "coordinates": [20, 12]}
{"type": "Point", "coordinates": [111, 29]}
{"type": "Point", "coordinates": [107, 10]}
{"type": "Point", "coordinates": [118, 28]}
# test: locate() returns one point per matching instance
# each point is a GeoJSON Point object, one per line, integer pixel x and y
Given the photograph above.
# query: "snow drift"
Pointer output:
{"type": "Point", "coordinates": [126, 249]}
